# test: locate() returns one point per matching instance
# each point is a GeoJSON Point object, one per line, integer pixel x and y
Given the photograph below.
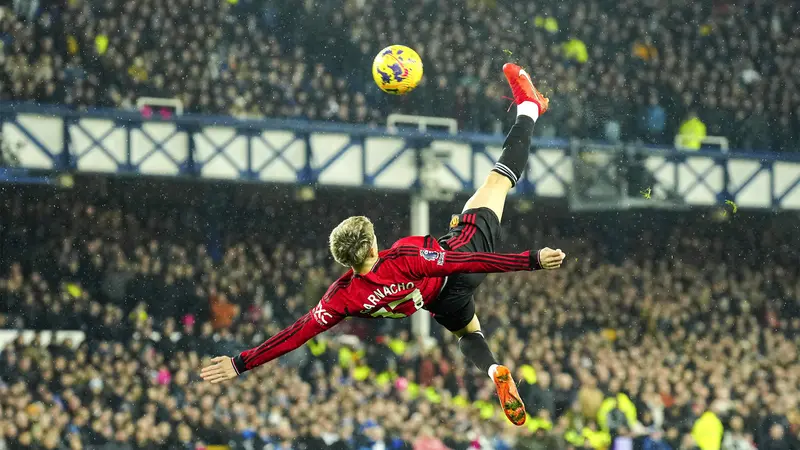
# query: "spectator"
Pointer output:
{"type": "Point", "coordinates": [645, 50]}
{"type": "Point", "coordinates": [538, 396]}
{"type": "Point", "coordinates": [707, 431]}
{"type": "Point", "coordinates": [735, 438]}
{"type": "Point", "coordinates": [427, 441]}
{"type": "Point", "coordinates": [654, 121]}
{"type": "Point", "coordinates": [575, 50]}
{"type": "Point", "coordinates": [223, 313]}
{"type": "Point", "coordinates": [777, 439]}
{"type": "Point", "coordinates": [692, 132]}
{"type": "Point", "coordinates": [755, 131]}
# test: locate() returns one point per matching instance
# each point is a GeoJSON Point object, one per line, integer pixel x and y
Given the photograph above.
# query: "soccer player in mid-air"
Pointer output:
{"type": "Point", "coordinates": [421, 272]}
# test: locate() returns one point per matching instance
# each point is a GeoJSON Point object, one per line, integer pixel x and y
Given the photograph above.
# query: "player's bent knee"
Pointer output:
{"type": "Point", "coordinates": [473, 326]}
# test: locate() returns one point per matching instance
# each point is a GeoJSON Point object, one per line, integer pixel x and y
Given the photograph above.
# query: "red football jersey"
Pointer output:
{"type": "Point", "coordinates": [406, 277]}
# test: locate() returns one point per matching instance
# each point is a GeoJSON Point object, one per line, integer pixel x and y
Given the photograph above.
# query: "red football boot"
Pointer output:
{"type": "Point", "coordinates": [523, 88]}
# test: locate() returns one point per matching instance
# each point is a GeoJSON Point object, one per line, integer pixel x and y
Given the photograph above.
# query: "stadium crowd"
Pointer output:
{"type": "Point", "coordinates": [630, 70]}
{"type": "Point", "coordinates": [661, 332]}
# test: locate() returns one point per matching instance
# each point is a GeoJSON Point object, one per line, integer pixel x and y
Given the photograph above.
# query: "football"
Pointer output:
{"type": "Point", "coordinates": [397, 69]}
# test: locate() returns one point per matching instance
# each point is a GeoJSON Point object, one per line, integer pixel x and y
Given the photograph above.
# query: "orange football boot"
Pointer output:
{"type": "Point", "coordinates": [509, 395]}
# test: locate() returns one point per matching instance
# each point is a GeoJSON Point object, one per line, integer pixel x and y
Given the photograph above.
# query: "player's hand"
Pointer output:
{"type": "Point", "coordinates": [551, 259]}
{"type": "Point", "coordinates": [221, 369]}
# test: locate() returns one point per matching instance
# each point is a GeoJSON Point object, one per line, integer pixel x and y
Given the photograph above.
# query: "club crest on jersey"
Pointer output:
{"type": "Point", "coordinates": [432, 255]}
{"type": "Point", "coordinates": [454, 222]}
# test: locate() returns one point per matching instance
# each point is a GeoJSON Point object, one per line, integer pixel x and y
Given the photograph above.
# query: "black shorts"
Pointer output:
{"type": "Point", "coordinates": [474, 230]}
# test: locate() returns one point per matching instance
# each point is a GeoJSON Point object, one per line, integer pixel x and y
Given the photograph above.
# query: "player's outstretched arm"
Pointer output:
{"type": "Point", "coordinates": [431, 263]}
{"type": "Point", "coordinates": [223, 368]}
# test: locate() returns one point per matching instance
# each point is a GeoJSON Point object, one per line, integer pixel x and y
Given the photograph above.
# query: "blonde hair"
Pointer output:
{"type": "Point", "coordinates": [351, 241]}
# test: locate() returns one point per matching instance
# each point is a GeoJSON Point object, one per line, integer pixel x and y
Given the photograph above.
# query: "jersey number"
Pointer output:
{"type": "Point", "coordinates": [415, 296]}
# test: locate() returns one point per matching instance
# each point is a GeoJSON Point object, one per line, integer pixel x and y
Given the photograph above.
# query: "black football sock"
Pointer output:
{"type": "Point", "coordinates": [516, 149]}
{"type": "Point", "coordinates": [476, 349]}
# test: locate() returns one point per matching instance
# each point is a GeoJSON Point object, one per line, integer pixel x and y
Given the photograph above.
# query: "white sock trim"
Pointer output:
{"type": "Point", "coordinates": [502, 168]}
{"type": "Point", "coordinates": [492, 370]}
{"type": "Point", "coordinates": [529, 109]}
{"type": "Point", "coordinates": [475, 332]}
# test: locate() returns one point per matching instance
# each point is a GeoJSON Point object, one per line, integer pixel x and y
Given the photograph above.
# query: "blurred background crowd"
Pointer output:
{"type": "Point", "coordinates": [624, 70]}
{"type": "Point", "coordinates": [663, 331]}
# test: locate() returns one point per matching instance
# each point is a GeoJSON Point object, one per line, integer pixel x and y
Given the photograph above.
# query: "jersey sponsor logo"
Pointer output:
{"type": "Point", "coordinates": [432, 255]}
{"type": "Point", "coordinates": [321, 315]}
{"type": "Point", "coordinates": [454, 222]}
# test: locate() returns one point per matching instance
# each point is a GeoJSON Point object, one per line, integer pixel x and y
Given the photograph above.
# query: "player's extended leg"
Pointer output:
{"type": "Point", "coordinates": [511, 165]}
{"type": "Point", "coordinates": [475, 348]}
{"type": "Point", "coordinates": [492, 194]}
